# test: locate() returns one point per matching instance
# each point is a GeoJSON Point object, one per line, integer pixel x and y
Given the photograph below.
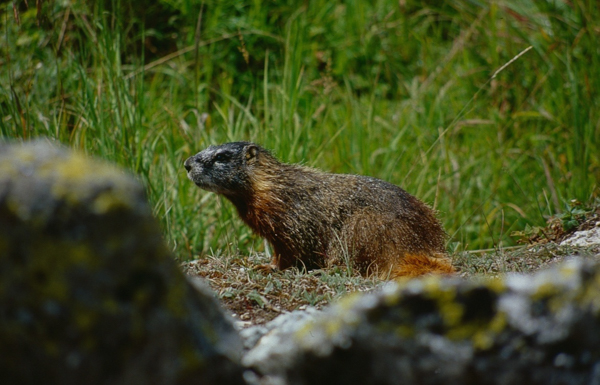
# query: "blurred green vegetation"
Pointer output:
{"type": "Point", "coordinates": [429, 95]}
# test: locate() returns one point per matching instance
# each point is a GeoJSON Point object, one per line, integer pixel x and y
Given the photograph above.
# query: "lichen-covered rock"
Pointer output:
{"type": "Point", "coordinates": [584, 238]}
{"type": "Point", "coordinates": [540, 329]}
{"type": "Point", "coordinates": [267, 342]}
{"type": "Point", "coordinates": [89, 293]}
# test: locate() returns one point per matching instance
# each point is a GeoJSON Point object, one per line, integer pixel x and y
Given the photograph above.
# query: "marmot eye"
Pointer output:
{"type": "Point", "coordinates": [221, 157]}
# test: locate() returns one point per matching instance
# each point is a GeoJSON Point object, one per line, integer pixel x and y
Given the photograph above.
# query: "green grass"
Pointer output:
{"type": "Point", "coordinates": [405, 93]}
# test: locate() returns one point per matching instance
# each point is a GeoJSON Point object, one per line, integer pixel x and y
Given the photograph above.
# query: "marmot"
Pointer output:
{"type": "Point", "coordinates": [315, 219]}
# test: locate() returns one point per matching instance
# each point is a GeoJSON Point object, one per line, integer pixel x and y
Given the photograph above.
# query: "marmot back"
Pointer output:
{"type": "Point", "coordinates": [316, 219]}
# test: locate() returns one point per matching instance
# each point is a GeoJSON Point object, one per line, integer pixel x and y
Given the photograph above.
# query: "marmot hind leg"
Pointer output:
{"type": "Point", "coordinates": [385, 246]}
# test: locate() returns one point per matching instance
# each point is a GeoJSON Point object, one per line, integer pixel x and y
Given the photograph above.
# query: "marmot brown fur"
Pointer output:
{"type": "Point", "coordinates": [315, 219]}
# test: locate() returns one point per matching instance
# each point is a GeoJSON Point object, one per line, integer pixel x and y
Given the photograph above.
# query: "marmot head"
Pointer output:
{"type": "Point", "coordinates": [225, 169]}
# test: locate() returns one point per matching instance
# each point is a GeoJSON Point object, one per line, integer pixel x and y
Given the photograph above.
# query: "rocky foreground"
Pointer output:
{"type": "Point", "coordinates": [90, 294]}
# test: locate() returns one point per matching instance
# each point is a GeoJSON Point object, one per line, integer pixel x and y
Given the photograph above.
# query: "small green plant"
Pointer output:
{"type": "Point", "coordinates": [529, 233]}
{"type": "Point", "coordinates": [573, 215]}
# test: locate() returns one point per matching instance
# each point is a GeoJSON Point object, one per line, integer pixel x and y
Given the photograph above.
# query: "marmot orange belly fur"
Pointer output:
{"type": "Point", "coordinates": [315, 219]}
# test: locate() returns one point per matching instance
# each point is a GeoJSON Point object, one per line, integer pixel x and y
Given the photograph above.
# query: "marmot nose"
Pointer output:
{"type": "Point", "coordinates": [186, 164]}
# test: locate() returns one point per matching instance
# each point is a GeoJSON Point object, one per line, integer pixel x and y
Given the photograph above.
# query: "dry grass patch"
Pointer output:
{"type": "Point", "coordinates": [255, 296]}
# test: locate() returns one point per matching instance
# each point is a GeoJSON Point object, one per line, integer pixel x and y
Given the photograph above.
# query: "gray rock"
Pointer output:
{"type": "Point", "coordinates": [89, 293]}
{"type": "Point", "coordinates": [266, 342]}
{"type": "Point", "coordinates": [269, 344]}
{"type": "Point", "coordinates": [540, 329]}
{"type": "Point", "coordinates": [584, 238]}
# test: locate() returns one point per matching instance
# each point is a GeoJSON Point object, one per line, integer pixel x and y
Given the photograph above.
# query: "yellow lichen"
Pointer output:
{"type": "Point", "coordinates": [431, 283]}
{"type": "Point", "coordinates": [462, 331]}
{"type": "Point", "coordinates": [391, 298]}
{"type": "Point", "coordinates": [568, 271]}
{"type": "Point", "coordinates": [496, 285]}
{"type": "Point", "coordinates": [333, 328]}
{"type": "Point", "coordinates": [451, 312]}
{"type": "Point", "coordinates": [482, 334]}
{"type": "Point", "coordinates": [74, 167]}
{"type": "Point", "coordinates": [589, 295]}
{"type": "Point", "coordinates": [110, 305]}
{"type": "Point", "coordinates": [484, 338]}
{"type": "Point", "coordinates": [72, 178]}
{"type": "Point", "coordinates": [82, 254]}
{"type": "Point", "coordinates": [305, 331]}
{"type": "Point", "coordinates": [108, 201]}
{"type": "Point", "coordinates": [84, 320]}
{"type": "Point", "coordinates": [405, 331]}
{"type": "Point", "coordinates": [24, 155]}
{"type": "Point", "coordinates": [498, 323]}
{"type": "Point", "coordinates": [445, 298]}
{"type": "Point", "coordinates": [545, 290]}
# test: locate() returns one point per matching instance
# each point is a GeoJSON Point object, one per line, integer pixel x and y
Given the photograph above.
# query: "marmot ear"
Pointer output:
{"type": "Point", "coordinates": [251, 152]}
